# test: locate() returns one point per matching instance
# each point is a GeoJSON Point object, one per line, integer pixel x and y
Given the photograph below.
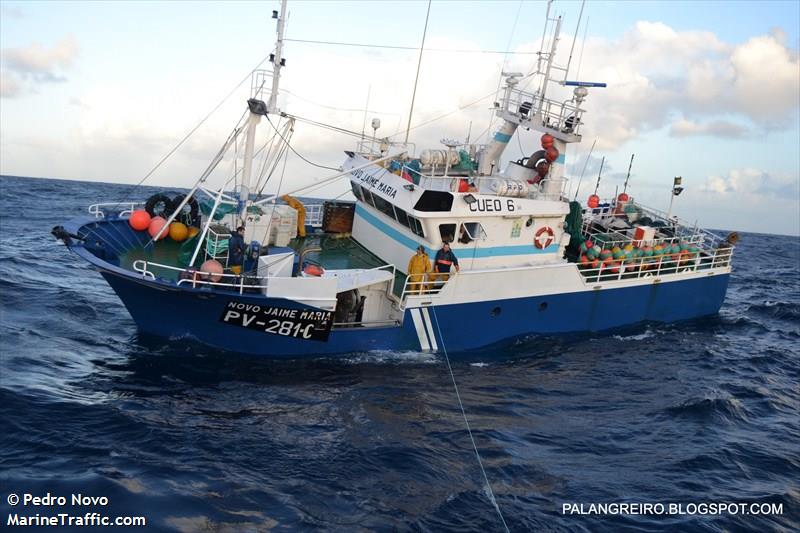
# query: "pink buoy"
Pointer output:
{"type": "Point", "coordinates": [212, 270]}
{"type": "Point", "coordinates": [156, 223]}
{"type": "Point", "coordinates": [139, 220]}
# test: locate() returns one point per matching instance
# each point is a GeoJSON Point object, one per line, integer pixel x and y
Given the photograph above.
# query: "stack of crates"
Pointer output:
{"type": "Point", "coordinates": [282, 228]}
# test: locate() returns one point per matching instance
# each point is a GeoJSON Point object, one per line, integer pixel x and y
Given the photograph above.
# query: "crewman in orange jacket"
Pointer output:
{"type": "Point", "coordinates": [301, 213]}
{"type": "Point", "coordinates": [418, 267]}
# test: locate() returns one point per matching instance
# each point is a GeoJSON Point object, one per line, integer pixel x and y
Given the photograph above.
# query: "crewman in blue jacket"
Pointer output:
{"type": "Point", "coordinates": [236, 250]}
{"type": "Point", "coordinates": [445, 259]}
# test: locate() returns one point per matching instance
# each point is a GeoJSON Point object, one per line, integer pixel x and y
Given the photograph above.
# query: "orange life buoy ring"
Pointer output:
{"type": "Point", "coordinates": [541, 243]}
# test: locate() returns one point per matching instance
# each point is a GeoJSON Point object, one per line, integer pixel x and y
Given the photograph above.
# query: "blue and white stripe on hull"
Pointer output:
{"type": "Point", "coordinates": [464, 326]}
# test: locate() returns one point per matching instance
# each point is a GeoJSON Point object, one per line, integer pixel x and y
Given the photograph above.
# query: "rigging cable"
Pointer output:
{"type": "Point", "coordinates": [199, 124]}
{"type": "Point", "coordinates": [466, 422]}
{"type": "Point", "coordinates": [395, 47]}
{"type": "Point", "coordinates": [461, 108]}
{"type": "Point", "coordinates": [505, 59]}
{"type": "Point", "coordinates": [419, 64]}
{"type": "Point", "coordinates": [338, 108]}
{"type": "Point", "coordinates": [298, 154]}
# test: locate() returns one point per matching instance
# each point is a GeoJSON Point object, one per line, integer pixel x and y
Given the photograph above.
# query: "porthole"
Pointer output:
{"type": "Point", "coordinates": [495, 311]}
{"type": "Point", "coordinates": [543, 306]}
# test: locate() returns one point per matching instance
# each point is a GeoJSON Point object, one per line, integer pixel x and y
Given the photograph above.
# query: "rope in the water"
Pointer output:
{"type": "Point", "coordinates": [466, 422]}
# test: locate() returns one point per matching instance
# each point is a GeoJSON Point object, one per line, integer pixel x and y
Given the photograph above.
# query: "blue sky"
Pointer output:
{"type": "Point", "coordinates": [706, 90]}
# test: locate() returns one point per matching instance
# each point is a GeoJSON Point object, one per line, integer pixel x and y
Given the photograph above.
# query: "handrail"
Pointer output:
{"type": "Point", "coordinates": [432, 284]}
{"type": "Point", "coordinates": [683, 230]}
{"type": "Point", "coordinates": [532, 191]}
{"type": "Point", "coordinates": [95, 209]}
{"type": "Point", "coordinates": [658, 266]}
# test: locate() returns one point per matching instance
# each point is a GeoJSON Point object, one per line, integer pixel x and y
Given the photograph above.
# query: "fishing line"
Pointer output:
{"type": "Point", "coordinates": [466, 422]}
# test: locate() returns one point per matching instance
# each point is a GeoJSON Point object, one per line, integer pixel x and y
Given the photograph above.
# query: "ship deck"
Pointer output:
{"type": "Point", "coordinates": [331, 251]}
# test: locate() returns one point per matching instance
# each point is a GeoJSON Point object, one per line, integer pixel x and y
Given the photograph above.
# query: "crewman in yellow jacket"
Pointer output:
{"type": "Point", "coordinates": [418, 267]}
{"type": "Point", "coordinates": [301, 213]}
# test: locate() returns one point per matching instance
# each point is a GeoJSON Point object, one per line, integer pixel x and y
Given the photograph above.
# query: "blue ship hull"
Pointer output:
{"type": "Point", "coordinates": [162, 308]}
{"type": "Point", "coordinates": [175, 313]}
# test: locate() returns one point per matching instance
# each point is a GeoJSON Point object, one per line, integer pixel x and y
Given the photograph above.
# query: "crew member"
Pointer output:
{"type": "Point", "coordinates": [445, 258]}
{"type": "Point", "coordinates": [236, 250]}
{"type": "Point", "coordinates": [418, 267]}
{"type": "Point", "coordinates": [298, 206]}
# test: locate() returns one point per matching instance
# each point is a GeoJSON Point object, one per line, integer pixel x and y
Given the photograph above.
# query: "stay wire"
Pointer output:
{"type": "Point", "coordinates": [191, 132]}
{"type": "Point", "coordinates": [298, 154]}
{"type": "Point", "coordinates": [440, 117]}
{"type": "Point", "coordinates": [505, 60]}
{"type": "Point", "coordinates": [466, 422]}
{"type": "Point", "coordinates": [397, 47]}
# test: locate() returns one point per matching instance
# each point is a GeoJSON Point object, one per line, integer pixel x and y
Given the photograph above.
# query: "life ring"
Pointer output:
{"type": "Point", "coordinates": [159, 205]}
{"type": "Point", "coordinates": [190, 211]}
{"type": "Point", "coordinates": [542, 243]}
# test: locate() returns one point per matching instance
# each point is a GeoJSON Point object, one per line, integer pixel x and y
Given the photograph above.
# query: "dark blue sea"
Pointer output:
{"type": "Point", "coordinates": [704, 412]}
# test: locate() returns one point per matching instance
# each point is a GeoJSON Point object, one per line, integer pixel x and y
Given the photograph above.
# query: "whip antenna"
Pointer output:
{"type": "Point", "coordinates": [597, 185]}
{"type": "Point", "coordinates": [585, 163]}
{"type": "Point", "coordinates": [625, 187]}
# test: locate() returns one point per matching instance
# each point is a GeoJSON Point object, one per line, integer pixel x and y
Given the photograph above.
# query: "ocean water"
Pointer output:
{"type": "Point", "coordinates": [197, 440]}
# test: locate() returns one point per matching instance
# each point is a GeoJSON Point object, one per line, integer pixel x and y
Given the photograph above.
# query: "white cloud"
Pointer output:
{"type": "Point", "coordinates": [754, 182]}
{"type": "Point", "coordinates": [654, 73]}
{"type": "Point", "coordinates": [717, 128]}
{"type": "Point", "coordinates": [25, 67]}
{"type": "Point", "coordinates": [9, 85]}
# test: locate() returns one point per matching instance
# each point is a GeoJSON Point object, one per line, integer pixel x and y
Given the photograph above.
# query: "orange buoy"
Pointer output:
{"type": "Point", "coordinates": [593, 201]}
{"type": "Point", "coordinates": [547, 141]}
{"type": "Point", "coordinates": [623, 197]}
{"type": "Point", "coordinates": [551, 154]}
{"type": "Point", "coordinates": [313, 270]}
{"type": "Point", "coordinates": [192, 232]}
{"type": "Point", "coordinates": [156, 223]}
{"type": "Point", "coordinates": [139, 220]}
{"type": "Point", "coordinates": [178, 231]}
{"type": "Point", "coordinates": [212, 270]}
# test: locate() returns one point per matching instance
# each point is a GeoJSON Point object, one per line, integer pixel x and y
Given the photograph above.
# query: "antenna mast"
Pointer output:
{"type": "Point", "coordinates": [630, 165]}
{"type": "Point", "coordinates": [277, 59]}
{"type": "Point", "coordinates": [258, 109]}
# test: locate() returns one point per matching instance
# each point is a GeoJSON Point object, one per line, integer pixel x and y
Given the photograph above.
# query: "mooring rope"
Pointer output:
{"type": "Point", "coordinates": [466, 422]}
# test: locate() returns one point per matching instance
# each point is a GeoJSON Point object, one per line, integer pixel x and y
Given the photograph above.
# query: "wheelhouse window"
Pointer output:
{"type": "Point", "coordinates": [402, 217]}
{"type": "Point", "coordinates": [434, 201]}
{"type": "Point", "coordinates": [415, 226]}
{"type": "Point", "coordinates": [383, 206]}
{"type": "Point", "coordinates": [367, 197]}
{"type": "Point", "coordinates": [470, 231]}
{"type": "Point", "coordinates": [447, 232]}
{"type": "Point", "coordinates": [356, 190]}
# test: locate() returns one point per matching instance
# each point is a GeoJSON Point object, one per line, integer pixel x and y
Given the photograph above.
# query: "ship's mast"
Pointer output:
{"type": "Point", "coordinates": [277, 61]}
{"type": "Point", "coordinates": [259, 108]}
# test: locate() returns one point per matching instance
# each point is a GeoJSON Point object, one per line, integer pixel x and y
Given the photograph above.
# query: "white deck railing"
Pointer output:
{"type": "Point", "coordinates": [99, 210]}
{"type": "Point", "coordinates": [656, 266]}
{"type": "Point", "coordinates": [501, 186]}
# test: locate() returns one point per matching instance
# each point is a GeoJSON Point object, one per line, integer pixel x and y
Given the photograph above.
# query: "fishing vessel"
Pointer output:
{"type": "Point", "coordinates": [318, 277]}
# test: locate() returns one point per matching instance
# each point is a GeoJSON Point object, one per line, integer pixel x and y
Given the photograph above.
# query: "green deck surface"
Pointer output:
{"type": "Point", "coordinates": [336, 253]}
